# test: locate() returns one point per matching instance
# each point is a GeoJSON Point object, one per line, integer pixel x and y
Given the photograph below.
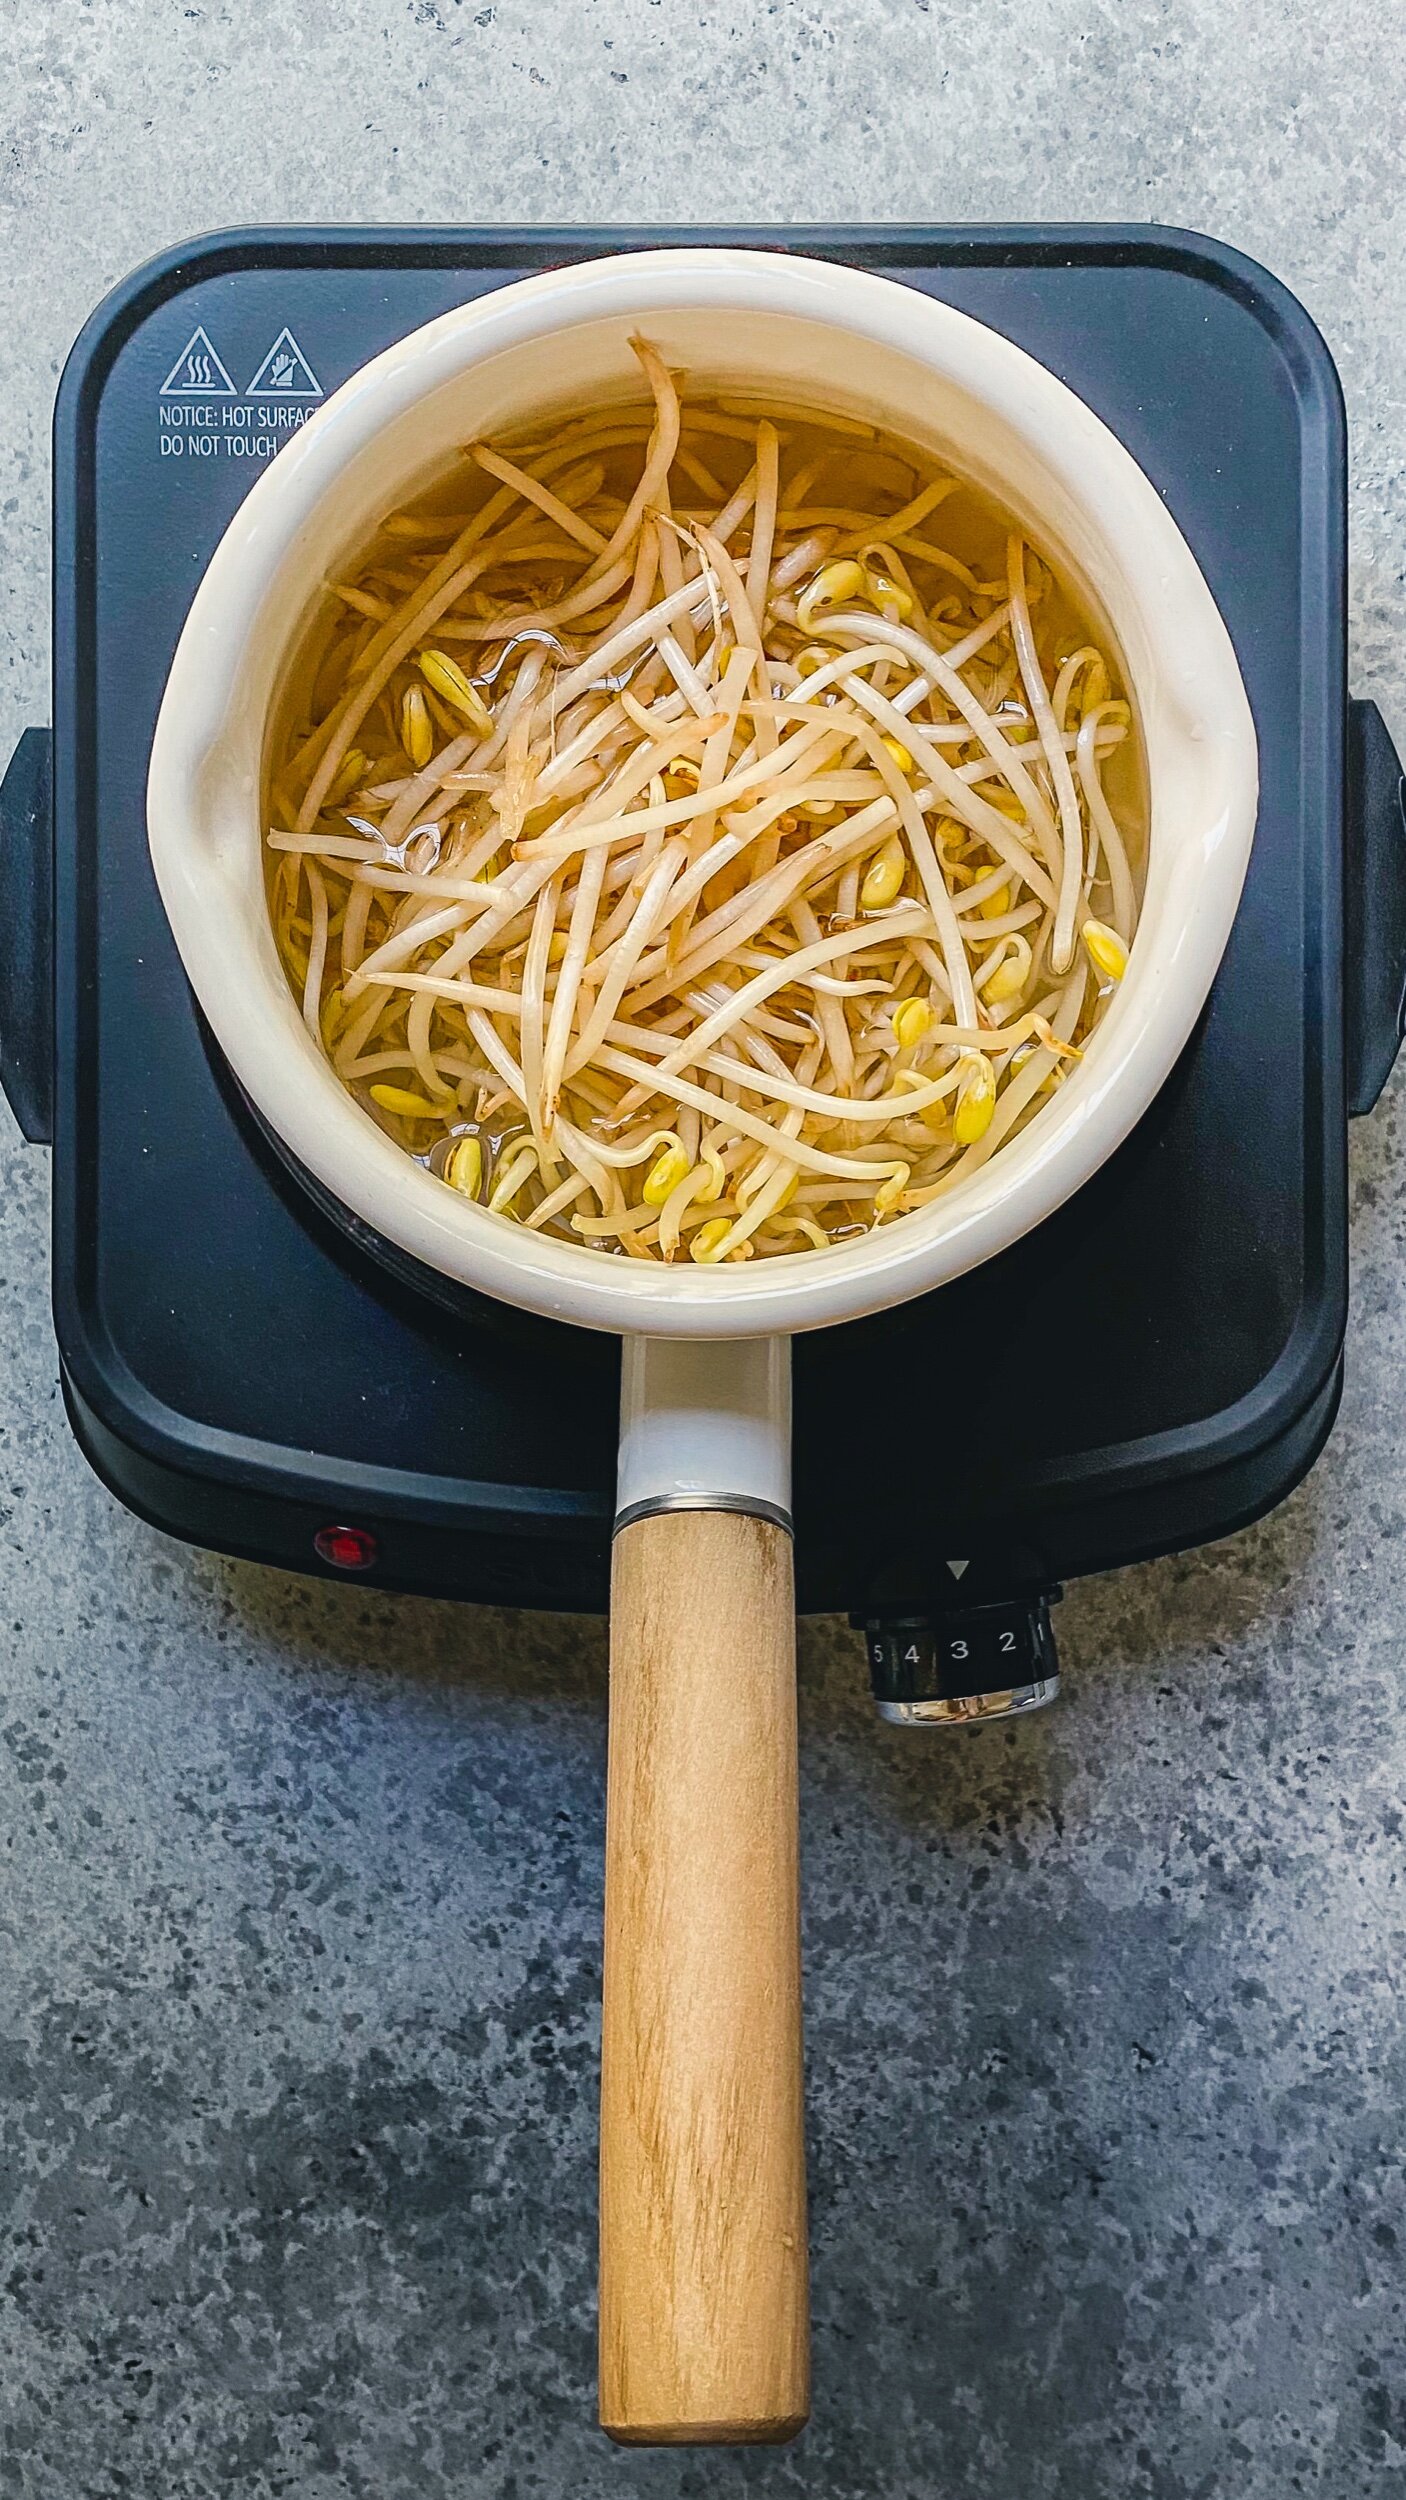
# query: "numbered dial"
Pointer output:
{"type": "Point", "coordinates": [986, 1662]}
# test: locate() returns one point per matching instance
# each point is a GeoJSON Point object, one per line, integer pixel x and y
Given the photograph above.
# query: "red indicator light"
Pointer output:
{"type": "Point", "coordinates": [347, 1549]}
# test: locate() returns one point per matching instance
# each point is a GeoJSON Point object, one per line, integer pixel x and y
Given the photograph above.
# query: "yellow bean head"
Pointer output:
{"type": "Point", "coordinates": [665, 1174]}
{"type": "Point", "coordinates": [1011, 973]}
{"type": "Point", "coordinates": [352, 770]}
{"type": "Point", "coordinates": [404, 1104]}
{"type": "Point", "coordinates": [976, 1099]}
{"type": "Point", "coordinates": [1106, 950]}
{"type": "Point", "coordinates": [464, 1168]}
{"type": "Point", "coordinates": [884, 876]}
{"type": "Point", "coordinates": [416, 728]}
{"type": "Point", "coordinates": [452, 686]}
{"type": "Point", "coordinates": [832, 583]}
{"type": "Point", "coordinates": [705, 1245]}
{"type": "Point", "coordinates": [1096, 687]}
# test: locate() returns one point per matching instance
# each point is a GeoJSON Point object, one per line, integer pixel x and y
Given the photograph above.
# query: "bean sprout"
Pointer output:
{"type": "Point", "coordinates": [736, 870]}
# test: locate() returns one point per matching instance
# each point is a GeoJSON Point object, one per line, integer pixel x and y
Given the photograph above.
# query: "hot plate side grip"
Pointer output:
{"type": "Point", "coordinates": [27, 935]}
{"type": "Point", "coordinates": [1374, 973]}
{"type": "Point", "coordinates": [1375, 915]}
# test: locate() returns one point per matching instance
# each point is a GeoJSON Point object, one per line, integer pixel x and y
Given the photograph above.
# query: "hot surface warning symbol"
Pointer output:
{"type": "Point", "coordinates": [198, 370]}
{"type": "Point", "coordinates": [285, 373]}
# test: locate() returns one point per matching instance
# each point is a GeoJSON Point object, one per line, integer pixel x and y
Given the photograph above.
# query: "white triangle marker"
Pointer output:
{"type": "Point", "coordinates": [957, 1568]}
{"type": "Point", "coordinates": [198, 370]}
{"type": "Point", "coordinates": [285, 373]}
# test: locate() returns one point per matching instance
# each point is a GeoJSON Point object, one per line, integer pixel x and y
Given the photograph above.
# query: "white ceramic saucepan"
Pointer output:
{"type": "Point", "coordinates": [703, 2257]}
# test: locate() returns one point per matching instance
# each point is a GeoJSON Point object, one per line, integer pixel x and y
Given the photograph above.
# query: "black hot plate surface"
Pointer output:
{"type": "Point", "coordinates": [1155, 1362]}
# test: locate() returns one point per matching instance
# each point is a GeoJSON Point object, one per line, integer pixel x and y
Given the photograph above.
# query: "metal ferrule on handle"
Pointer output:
{"type": "Point", "coordinates": [705, 1426]}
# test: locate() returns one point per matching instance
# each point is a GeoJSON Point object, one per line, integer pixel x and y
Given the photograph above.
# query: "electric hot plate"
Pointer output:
{"type": "Point", "coordinates": [1157, 1364]}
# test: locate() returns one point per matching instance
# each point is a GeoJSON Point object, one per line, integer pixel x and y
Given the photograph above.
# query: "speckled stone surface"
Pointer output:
{"type": "Point", "coordinates": [299, 1947]}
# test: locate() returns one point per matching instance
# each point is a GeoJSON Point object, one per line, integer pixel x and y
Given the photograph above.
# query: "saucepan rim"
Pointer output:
{"type": "Point", "coordinates": [204, 785]}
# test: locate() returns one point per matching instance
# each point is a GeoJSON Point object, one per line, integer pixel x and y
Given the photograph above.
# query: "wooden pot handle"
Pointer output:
{"type": "Point", "coordinates": [703, 2278]}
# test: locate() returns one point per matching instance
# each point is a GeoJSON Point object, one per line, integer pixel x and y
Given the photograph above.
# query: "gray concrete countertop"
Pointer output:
{"type": "Point", "coordinates": [299, 1929]}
